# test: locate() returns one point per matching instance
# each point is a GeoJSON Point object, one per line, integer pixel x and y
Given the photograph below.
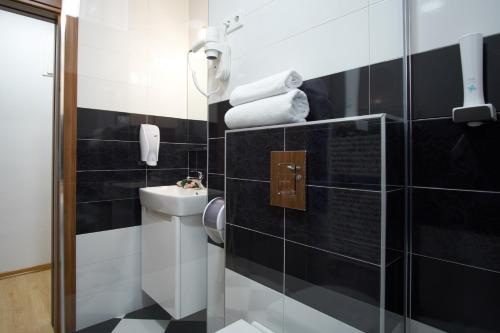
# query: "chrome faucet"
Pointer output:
{"type": "Point", "coordinates": [200, 175]}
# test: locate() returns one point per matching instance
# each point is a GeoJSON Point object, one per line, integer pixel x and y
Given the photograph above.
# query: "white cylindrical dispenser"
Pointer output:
{"type": "Point", "coordinates": [214, 220]}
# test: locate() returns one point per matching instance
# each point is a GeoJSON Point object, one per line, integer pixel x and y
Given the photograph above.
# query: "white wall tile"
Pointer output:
{"type": "Point", "coordinates": [439, 23]}
{"type": "Point", "coordinates": [252, 301]}
{"type": "Point", "coordinates": [102, 94]}
{"type": "Point", "coordinates": [333, 47]}
{"type": "Point", "coordinates": [108, 275]}
{"type": "Point", "coordinates": [132, 56]}
{"type": "Point", "coordinates": [105, 245]}
{"type": "Point", "coordinates": [302, 318]}
{"type": "Point", "coordinates": [215, 288]}
{"type": "Point", "coordinates": [116, 300]}
{"type": "Point", "coordinates": [282, 19]}
{"type": "Point", "coordinates": [386, 30]}
{"type": "Point", "coordinates": [220, 9]}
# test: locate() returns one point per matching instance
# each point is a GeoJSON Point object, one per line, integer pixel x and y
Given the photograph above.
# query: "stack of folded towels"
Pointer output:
{"type": "Point", "coordinates": [271, 101]}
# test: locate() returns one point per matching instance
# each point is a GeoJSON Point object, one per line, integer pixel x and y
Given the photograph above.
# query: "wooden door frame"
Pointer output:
{"type": "Point", "coordinates": [64, 157]}
{"type": "Point", "coordinates": [69, 170]}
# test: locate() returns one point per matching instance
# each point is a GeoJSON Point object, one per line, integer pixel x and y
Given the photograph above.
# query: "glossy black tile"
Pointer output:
{"type": "Point", "coordinates": [437, 79]}
{"type": "Point", "coordinates": [457, 156]}
{"type": "Point", "coordinates": [215, 186]}
{"type": "Point", "coordinates": [108, 125]}
{"type": "Point", "coordinates": [436, 82]}
{"type": "Point", "coordinates": [108, 155]}
{"type": "Point", "coordinates": [107, 215]}
{"type": "Point", "coordinates": [216, 124]}
{"type": "Point", "coordinates": [109, 185]}
{"type": "Point", "coordinates": [455, 298]}
{"type": "Point", "coordinates": [197, 131]}
{"type": "Point", "coordinates": [155, 312]}
{"type": "Point", "coordinates": [457, 226]}
{"type": "Point", "coordinates": [247, 205]}
{"type": "Point", "coordinates": [395, 219]}
{"type": "Point", "coordinates": [105, 327]}
{"type": "Point", "coordinates": [347, 222]}
{"type": "Point", "coordinates": [248, 152]}
{"type": "Point", "coordinates": [340, 153]}
{"type": "Point", "coordinates": [197, 156]}
{"type": "Point", "coordinates": [395, 153]}
{"type": "Point", "coordinates": [256, 256]}
{"type": "Point", "coordinates": [171, 129]}
{"type": "Point", "coordinates": [345, 289]}
{"type": "Point", "coordinates": [395, 296]}
{"type": "Point", "coordinates": [386, 88]}
{"type": "Point", "coordinates": [172, 156]}
{"type": "Point", "coordinates": [197, 316]}
{"type": "Point", "coordinates": [165, 177]}
{"type": "Point", "coordinates": [343, 94]}
{"type": "Point", "coordinates": [216, 155]}
{"type": "Point", "coordinates": [186, 327]}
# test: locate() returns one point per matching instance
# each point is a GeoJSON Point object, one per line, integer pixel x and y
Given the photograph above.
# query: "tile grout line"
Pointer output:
{"type": "Point", "coordinates": [455, 263]}
{"type": "Point", "coordinates": [454, 189]}
{"type": "Point", "coordinates": [305, 245]}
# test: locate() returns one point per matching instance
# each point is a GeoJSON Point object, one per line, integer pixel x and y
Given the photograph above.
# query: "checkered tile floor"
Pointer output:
{"type": "Point", "coordinates": [152, 319]}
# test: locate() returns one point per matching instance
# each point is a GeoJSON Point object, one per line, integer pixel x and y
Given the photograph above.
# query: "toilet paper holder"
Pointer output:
{"type": "Point", "coordinates": [214, 219]}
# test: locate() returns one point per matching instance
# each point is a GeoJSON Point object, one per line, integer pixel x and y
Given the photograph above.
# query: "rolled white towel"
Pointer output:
{"type": "Point", "coordinates": [273, 85]}
{"type": "Point", "coordinates": [291, 107]}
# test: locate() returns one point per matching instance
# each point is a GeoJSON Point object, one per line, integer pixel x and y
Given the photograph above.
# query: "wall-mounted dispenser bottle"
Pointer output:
{"type": "Point", "coordinates": [149, 138]}
{"type": "Point", "coordinates": [475, 111]}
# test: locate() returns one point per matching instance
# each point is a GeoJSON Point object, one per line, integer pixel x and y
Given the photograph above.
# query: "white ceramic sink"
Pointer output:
{"type": "Point", "coordinates": [174, 200]}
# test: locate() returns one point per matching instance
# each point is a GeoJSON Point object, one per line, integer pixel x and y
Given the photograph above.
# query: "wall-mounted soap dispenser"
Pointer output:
{"type": "Point", "coordinates": [149, 138]}
{"type": "Point", "coordinates": [474, 111]}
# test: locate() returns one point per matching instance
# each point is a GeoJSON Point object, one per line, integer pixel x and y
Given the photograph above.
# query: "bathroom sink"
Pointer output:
{"type": "Point", "coordinates": [174, 200]}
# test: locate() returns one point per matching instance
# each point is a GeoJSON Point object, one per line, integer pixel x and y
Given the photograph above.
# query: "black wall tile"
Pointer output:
{"type": "Point", "coordinates": [108, 125]}
{"type": "Point", "coordinates": [256, 256]}
{"type": "Point", "coordinates": [166, 177]}
{"type": "Point", "coordinates": [216, 124]}
{"type": "Point", "coordinates": [107, 215]}
{"type": "Point", "coordinates": [339, 287]}
{"type": "Point", "coordinates": [456, 156]}
{"type": "Point", "coordinates": [437, 79]}
{"type": "Point", "coordinates": [455, 298]}
{"type": "Point", "coordinates": [171, 129]}
{"type": "Point", "coordinates": [386, 88]}
{"type": "Point", "coordinates": [108, 185]}
{"type": "Point", "coordinates": [347, 222]}
{"type": "Point", "coordinates": [198, 157]}
{"type": "Point", "coordinates": [197, 131]}
{"type": "Point", "coordinates": [216, 154]}
{"type": "Point", "coordinates": [172, 156]}
{"type": "Point", "coordinates": [395, 296]}
{"type": "Point", "coordinates": [395, 220]}
{"type": "Point", "coordinates": [249, 152]}
{"type": "Point", "coordinates": [436, 82]}
{"type": "Point", "coordinates": [215, 186]}
{"type": "Point", "coordinates": [339, 153]}
{"type": "Point", "coordinates": [458, 226]}
{"type": "Point", "coordinates": [344, 94]}
{"type": "Point", "coordinates": [247, 205]}
{"type": "Point", "coordinates": [108, 155]}
{"type": "Point", "coordinates": [395, 153]}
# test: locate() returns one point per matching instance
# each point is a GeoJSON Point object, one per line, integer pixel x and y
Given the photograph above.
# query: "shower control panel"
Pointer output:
{"type": "Point", "coordinates": [288, 179]}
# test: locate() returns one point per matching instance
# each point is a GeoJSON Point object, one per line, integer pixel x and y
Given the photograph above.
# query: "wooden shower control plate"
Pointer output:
{"type": "Point", "coordinates": [288, 179]}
